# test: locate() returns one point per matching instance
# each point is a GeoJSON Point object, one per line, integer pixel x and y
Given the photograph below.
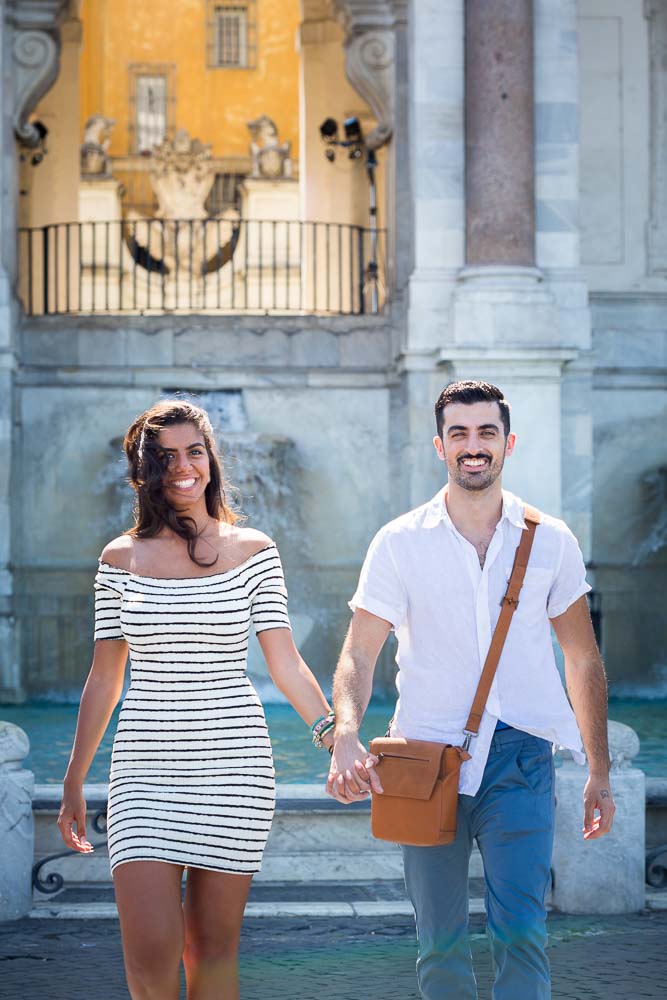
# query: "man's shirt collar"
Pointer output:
{"type": "Point", "coordinates": [436, 511]}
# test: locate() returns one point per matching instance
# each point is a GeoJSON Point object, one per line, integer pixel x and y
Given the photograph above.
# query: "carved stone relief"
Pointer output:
{"type": "Point", "coordinates": [270, 158]}
{"type": "Point", "coordinates": [370, 53]}
{"type": "Point", "coordinates": [35, 52]}
{"type": "Point", "coordinates": [95, 146]}
{"type": "Point", "coordinates": [182, 173]}
{"type": "Point", "coordinates": [369, 65]}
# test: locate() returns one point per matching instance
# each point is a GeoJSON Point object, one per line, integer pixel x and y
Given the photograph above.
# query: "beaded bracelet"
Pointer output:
{"type": "Point", "coordinates": [321, 723]}
{"type": "Point", "coordinates": [318, 739]}
{"type": "Point", "coordinates": [322, 726]}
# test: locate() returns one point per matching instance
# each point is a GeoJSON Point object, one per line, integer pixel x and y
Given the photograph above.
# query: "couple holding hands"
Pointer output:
{"type": "Point", "coordinates": [192, 781]}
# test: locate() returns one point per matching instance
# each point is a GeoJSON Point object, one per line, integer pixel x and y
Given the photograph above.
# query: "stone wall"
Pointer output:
{"type": "Point", "coordinates": [322, 385]}
{"type": "Point", "coordinates": [630, 484]}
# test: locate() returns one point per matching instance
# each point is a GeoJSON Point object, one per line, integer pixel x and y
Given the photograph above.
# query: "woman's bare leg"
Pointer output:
{"type": "Point", "coordinates": [214, 905]}
{"type": "Point", "coordinates": [148, 896]}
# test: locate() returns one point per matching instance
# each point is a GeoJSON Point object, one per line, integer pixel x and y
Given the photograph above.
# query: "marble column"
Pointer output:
{"type": "Point", "coordinates": [507, 324]}
{"type": "Point", "coordinates": [9, 670]}
{"type": "Point", "coordinates": [499, 108]}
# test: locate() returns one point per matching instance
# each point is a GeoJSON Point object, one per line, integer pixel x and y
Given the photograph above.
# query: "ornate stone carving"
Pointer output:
{"type": "Point", "coordinates": [36, 60]}
{"type": "Point", "coordinates": [35, 52]}
{"type": "Point", "coordinates": [623, 745]}
{"type": "Point", "coordinates": [185, 246]}
{"type": "Point", "coordinates": [270, 158]}
{"type": "Point", "coordinates": [369, 65]}
{"type": "Point", "coordinates": [182, 173]}
{"type": "Point", "coordinates": [95, 145]}
{"type": "Point", "coordinates": [370, 55]}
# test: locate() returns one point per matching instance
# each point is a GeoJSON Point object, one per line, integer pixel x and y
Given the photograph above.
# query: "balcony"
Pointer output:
{"type": "Point", "coordinates": [204, 266]}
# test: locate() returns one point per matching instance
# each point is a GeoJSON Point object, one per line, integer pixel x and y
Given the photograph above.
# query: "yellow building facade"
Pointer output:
{"type": "Point", "coordinates": [209, 67]}
{"type": "Point", "coordinates": [195, 47]}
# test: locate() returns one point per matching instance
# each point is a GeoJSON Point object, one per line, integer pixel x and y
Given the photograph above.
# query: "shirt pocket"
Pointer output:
{"type": "Point", "coordinates": [534, 592]}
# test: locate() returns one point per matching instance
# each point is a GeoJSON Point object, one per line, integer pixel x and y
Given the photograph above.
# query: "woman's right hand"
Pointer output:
{"type": "Point", "coordinates": [73, 813]}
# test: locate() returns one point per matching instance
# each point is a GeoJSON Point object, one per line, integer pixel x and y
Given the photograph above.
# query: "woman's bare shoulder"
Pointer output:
{"type": "Point", "coordinates": [250, 541]}
{"type": "Point", "coordinates": [119, 552]}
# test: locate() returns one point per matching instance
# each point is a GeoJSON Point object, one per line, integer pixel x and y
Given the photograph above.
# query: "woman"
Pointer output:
{"type": "Point", "coordinates": [192, 779]}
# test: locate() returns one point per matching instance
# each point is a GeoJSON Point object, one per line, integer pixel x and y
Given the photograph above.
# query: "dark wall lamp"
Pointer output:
{"type": "Point", "coordinates": [356, 146]}
{"type": "Point", "coordinates": [39, 149]}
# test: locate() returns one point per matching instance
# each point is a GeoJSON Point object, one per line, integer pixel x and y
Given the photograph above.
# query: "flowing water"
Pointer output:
{"type": "Point", "coordinates": [50, 728]}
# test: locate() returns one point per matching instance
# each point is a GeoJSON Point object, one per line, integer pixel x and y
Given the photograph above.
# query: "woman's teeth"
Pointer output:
{"type": "Point", "coordinates": [183, 484]}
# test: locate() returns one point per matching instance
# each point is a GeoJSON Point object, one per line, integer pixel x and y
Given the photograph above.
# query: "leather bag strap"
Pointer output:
{"type": "Point", "coordinates": [509, 604]}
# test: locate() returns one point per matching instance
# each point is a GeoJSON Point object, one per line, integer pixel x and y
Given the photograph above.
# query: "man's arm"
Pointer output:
{"type": "Point", "coordinates": [587, 689]}
{"type": "Point", "coordinates": [349, 778]}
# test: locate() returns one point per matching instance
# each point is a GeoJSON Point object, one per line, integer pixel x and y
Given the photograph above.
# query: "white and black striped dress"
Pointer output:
{"type": "Point", "coordinates": [192, 779]}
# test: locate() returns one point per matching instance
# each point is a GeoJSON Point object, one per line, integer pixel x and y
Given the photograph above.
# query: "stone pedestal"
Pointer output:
{"type": "Point", "coordinates": [268, 199]}
{"type": "Point", "coordinates": [272, 243]}
{"type": "Point", "coordinates": [605, 875]}
{"type": "Point", "coordinates": [17, 832]}
{"type": "Point", "coordinates": [99, 200]}
{"type": "Point", "coordinates": [100, 205]}
{"type": "Point", "coordinates": [504, 304]}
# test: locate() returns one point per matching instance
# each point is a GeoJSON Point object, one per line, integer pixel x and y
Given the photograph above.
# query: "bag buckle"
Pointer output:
{"type": "Point", "coordinates": [467, 739]}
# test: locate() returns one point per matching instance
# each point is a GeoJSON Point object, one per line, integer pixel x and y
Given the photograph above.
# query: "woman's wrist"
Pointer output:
{"type": "Point", "coordinates": [321, 728]}
{"type": "Point", "coordinates": [72, 783]}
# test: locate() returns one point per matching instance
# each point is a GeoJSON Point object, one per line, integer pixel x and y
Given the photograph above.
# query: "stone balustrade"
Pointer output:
{"type": "Point", "coordinates": [605, 875]}
{"type": "Point", "coordinates": [17, 828]}
{"type": "Point", "coordinates": [602, 876]}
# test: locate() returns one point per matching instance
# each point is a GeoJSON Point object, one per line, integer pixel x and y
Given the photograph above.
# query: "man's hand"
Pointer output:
{"type": "Point", "coordinates": [597, 798]}
{"type": "Point", "coordinates": [352, 774]}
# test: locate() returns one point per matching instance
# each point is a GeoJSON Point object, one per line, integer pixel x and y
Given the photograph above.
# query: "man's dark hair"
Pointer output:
{"type": "Point", "coordinates": [471, 392]}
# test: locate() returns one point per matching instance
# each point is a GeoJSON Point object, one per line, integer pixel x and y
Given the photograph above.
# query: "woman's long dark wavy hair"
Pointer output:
{"type": "Point", "coordinates": [147, 466]}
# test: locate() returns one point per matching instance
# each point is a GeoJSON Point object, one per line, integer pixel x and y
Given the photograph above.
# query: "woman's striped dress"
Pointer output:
{"type": "Point", "coordinates": [192, 779]}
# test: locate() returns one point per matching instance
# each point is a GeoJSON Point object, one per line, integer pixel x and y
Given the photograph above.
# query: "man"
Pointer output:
{"type": "Point", "coordinates": [436, 576]}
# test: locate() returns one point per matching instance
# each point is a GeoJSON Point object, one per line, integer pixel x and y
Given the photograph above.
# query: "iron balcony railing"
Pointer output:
{"type": "Point", "coordinates": [200, 266]}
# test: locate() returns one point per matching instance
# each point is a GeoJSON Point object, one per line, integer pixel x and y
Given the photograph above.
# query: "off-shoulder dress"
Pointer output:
{"type": "Point", "coordinates": [192, 779]}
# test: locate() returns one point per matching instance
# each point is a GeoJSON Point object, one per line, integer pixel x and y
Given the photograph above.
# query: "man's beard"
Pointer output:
{"type": "Point", "coordinates": [475, 482]}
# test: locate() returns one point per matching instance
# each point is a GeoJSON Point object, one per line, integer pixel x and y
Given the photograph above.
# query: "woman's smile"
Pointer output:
{"type": "Point", "coordinates": [183, 484]}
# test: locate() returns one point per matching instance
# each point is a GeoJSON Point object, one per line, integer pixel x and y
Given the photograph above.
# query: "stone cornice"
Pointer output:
{"type": "Point", "coordinates": [37, 15]}
{"type": "Point", "coordinates": [359, 16]}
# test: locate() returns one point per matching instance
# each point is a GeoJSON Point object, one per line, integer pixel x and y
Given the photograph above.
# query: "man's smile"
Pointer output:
{"type": "Point", "coordinates": [474, 463]}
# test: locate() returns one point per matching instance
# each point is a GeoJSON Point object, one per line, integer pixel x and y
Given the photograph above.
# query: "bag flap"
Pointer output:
{"type": "Point", "coordinates": [408, 768]}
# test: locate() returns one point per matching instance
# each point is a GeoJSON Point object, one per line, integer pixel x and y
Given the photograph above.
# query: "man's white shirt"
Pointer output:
{"type": "Point", "coordinates": [421, 575]}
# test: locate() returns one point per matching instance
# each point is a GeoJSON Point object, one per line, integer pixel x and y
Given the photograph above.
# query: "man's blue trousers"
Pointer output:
{"type": "Point", "coordinates": [512, 819]}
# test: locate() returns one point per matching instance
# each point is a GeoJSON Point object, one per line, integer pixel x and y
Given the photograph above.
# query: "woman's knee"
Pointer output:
{"type": "Point", "coordinates": [223, 945]}
{"type": "Point", "coordinates": [152, 960]}
{"type": "Point", "coordinates": [152, 975]}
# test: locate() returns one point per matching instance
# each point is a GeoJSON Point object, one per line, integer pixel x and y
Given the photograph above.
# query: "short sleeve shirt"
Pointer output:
{"type": "Point", "coordinates": [421, 575]}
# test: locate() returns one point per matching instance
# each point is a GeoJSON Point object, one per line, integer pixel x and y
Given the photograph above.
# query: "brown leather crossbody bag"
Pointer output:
{"type": "Point", "coordinates": [421, 778]}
